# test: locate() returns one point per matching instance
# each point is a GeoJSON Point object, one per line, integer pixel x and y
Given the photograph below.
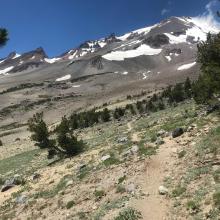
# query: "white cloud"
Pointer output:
{"type": "Point", "coordinates": [164, 11]}
{"type": "Point", "coordinates": [209, 17]}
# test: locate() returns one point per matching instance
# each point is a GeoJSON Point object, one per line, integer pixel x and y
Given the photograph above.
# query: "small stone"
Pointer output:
{"type": "Point", "coordinates": [36, 176]}
{"type": "Point", "coordinates": [131, 188]}
{"type": "Point", "coordinates": [163, 190]}
{"type": "Point", "coordinates": [69, 183]}
{"type": "Point", "coordinates": [161, 133]}
{"type": "Point", "coordinates": [134, 149]}
{"type": "Point", "coordinates": [106, 157]}
{"type": "Point", "coordinates": [81, 166]}
{"type": "Point", "coordinates": [159, 141]}
{"type": "Point", "coordinates": [122, 140]}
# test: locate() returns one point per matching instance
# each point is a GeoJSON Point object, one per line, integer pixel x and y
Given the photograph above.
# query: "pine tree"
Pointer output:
{"type": "Point", "coordinates": [66, 141]}
{"type": "Point", "coordinates": [177, 93]}
{"type": "Point", "coordinates": [208, 84]}
{"type": "Point", "coordinates": [105, 115]}
{"type": "Point", "coordinates": [188, 88]}
{"type": "Point", "coordinates": [40, 131]}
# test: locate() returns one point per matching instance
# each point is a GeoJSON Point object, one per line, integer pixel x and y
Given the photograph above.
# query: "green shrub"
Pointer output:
{"type": "Point", "coordinates": [216, 199]}
{"type": "Point", "coordinates": [121, 179]}
{"type": "Point", "coordinates": [99, 194]}
{"type": "Point", "coordinates": [129, 214]}
{"type": "Point", "coordinates": [178, 191]}
{"type": "Point", "coordinates": [216, 176]}
{"type": "Point", "coordinates": [70, 204]}
{"type": "Point", "coordinates": [120, 189]}
{"type": "Point", "coordinates": [193, 206]}
{"type": "Point", "coordinates": [181, 154]}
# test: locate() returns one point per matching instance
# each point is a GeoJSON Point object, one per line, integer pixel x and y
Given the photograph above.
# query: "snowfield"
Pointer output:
{"type": "Point", "coordinates": [6, 70]}
{"type": "Point", "coordinates": [53, 60]}
{"type": "Point", "coordinates": [201, 27]}
{"type": "Point", "coordinates": [142, 50]}
{"type": "Point", "coordinates": [187, 66]}
{"type": "Point", "coordinates": [66, 77]}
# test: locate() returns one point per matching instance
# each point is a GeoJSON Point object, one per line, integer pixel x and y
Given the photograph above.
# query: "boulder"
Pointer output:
{"type": "Point", "coordinates": [177, 132]}
{"type": "Point", "coordinates": [16, 180]}
{"type": "Point", "coordinates": [212, 108]}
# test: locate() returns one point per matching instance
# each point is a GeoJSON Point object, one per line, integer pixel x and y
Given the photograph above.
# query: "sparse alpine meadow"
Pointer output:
{"type": "Point", "coordinates": [127, 169]}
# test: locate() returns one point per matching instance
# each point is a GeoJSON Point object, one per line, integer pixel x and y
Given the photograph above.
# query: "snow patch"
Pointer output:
{"type": "Point", "coordinates": [73, 55]}
{"type": "Point", "coordinates": [124, 73]}
{"type": "Point", "coordinates": [16, 56]}
{"type": "Point", "coordinates": [76, 86]}
{"type": "Point", "coordinates": [139, 31]}
{"type": "Point", "coordinates": [145, 76]}
{"type": "Point", "coordinates": [53, 60]}
{"type": "Point", "coordinates": [187, 66]}
{"type": "Point", "coordinates": [66, 77]}
{"type": "Point", "coordinates": [141, 50]}
{"type": "Point", "coordinates": [101, 44]}
{"type": "Point", "coordinates": [168, 58]}
{"type": "Point", "coordinates": [6, 70]}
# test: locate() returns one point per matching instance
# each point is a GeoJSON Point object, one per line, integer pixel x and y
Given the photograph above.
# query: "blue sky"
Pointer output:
{"type": "Point", "coordinates": [59, 25]}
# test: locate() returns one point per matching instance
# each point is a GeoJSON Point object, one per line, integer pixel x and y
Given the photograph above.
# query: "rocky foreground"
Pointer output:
{"type": "Point", "coordinates": [159, 166]}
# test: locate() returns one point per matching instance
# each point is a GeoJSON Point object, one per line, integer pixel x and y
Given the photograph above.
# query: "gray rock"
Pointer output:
{"type": "Point", "coordinates": [81, 166]}
{"type": "Point", "coordinates": [36, 176]}
{"type": "Point", "coordinates": [134, 149]}
{"type": "Point", "coordinates": [69, 183]}
{"type": "Point", "coordinates": [177, 132]}
{"type": "Point", "coordinates": [106, 157]}
{"type": "Point", "coordinates": [122, 140]}
{"type": "Point", "coordinates": [16, 180]}
{"type": "Point", "coordinates": [159, 141]}
{"type": "Point", "coordinates": [161, 133]}
{"type": "Point", "coordinates": [131, 188]}
{"type": "Point", "coordinates": [22, 199]}
{"type": "Point", "coordinates": [7, 186]}
{"type": "Point", "coordinates": [163, 190]}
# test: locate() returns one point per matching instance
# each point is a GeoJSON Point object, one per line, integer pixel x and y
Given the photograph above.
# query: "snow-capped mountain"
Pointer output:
{"type": "Point", "coordinates": [168, 45]}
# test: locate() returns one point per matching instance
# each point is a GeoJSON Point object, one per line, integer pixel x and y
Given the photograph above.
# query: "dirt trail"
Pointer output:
{"type": "Point", "coordinates": [155, 206]}
{"type": "Point", "coordinates": [134, 136]}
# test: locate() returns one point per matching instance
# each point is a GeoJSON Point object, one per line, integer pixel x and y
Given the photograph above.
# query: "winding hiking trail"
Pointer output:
{"type": "Point", "coordinates": [155, 206]}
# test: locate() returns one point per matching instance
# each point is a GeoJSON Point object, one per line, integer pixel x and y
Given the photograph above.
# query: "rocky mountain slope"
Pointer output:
{"type": "Point", "coordinates": [101, 71]}
{"type": "Point", "coordinates": [164, 48]}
